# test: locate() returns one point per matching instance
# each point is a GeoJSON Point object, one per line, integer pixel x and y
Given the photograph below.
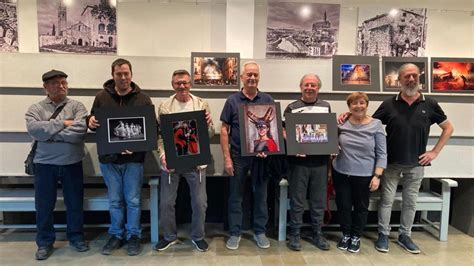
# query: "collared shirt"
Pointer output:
{"type": "Point", "coordinates": [408, 127]}
{"type": "Point", "coordinates": [230, 113]}
{"type": "Point", "coordinates": [57, 144]}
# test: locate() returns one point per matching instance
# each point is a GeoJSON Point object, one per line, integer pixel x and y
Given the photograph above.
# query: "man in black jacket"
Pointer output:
{"type": "Point", "coordinates": [123, 173]}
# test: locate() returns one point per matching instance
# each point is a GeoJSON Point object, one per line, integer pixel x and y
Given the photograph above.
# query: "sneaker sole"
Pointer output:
{"type": "Point", "coordinates": [381, 249]}
{"type": "Point", "coordinates": [233, 247]}
{"type": "Point", "coordinates": [353, 251]}
{"type": "Point", "coordinates": [261, 246]}
{"type": "Point", "coordinates": [174, 242]}
{"type": "Point", "coordinates": [341, 248]}
{"type": "Point", "coordinates": [407, 249]}
{"type": "Point", "coordinates": [197, 247]}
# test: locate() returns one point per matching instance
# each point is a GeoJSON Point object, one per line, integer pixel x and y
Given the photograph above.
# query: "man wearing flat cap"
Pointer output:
{"type": "Point", "coordinates": [58, 127]}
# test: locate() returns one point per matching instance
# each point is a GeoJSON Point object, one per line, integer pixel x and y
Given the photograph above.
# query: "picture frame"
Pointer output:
{"type": "Point", "coordinates": [355, 73]}
{"type": "Point", "coordinates": [452, 75]}
{"type": "Point", "coordinates": [215, 70]}
{"type": "Point", "coordinates": [186, 140]}
{"type": "Point", "coordinates": [391, 66]}
{"type": "Point", "coordinates": [254, 136]}
{"type": "Point", "coordinates": [311, 133]}
{"type": "Point", "coordinates": [130, 128]}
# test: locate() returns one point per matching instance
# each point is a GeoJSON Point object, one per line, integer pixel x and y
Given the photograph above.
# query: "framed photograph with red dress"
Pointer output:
{"type": "Point", "coordinates": [261, 129]}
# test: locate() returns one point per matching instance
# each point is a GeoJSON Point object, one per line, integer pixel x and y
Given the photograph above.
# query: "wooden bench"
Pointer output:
{"type": "Point", "coordinates": [95, 199]}
{"type": "Point", "coordinates": [427, 201]}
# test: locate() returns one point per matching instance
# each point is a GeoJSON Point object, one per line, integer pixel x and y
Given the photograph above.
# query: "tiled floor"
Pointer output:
{"type": "Point", "coordinates": [18, 247]}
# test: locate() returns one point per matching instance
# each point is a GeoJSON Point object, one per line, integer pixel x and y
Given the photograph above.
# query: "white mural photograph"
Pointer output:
{"type": "Point", "coordinates": [397, 32]}
{"type": "Point", "coordinates": [8, 26]}
{"type": "Point", "coordinates": [77, 26]}
{"type": "Point", "coordinates": [302, 30]}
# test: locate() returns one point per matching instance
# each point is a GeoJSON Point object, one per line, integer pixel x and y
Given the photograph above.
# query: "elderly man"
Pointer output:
{"type": "Point", "coordinates": [408, 116]}
{"type": "Point", "coordinates": [308, 171]}
{"type": "Point", "coordinates": [123, 173]}
{"type": "Point", "coordinates": [237, 166]}
{"type": "Point", "coordinates": [183, 101]}
{"type": "Point", "coordinates": [58, 127]}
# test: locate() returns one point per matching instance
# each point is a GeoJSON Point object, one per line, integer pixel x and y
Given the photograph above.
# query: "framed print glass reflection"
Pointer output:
{"type": "Point", "coordinates": [311, 134]}
{"type": "Point", "coordinates": [215, 70]}
{"type": "Point", "coordinates": [391, 66]}
{"type": "Point", "coordinates": [126, 128]}
{"type": "Point", "coordinates": [355, 73]}
{"type": "Point", "coordinates": [186, 140]}
{"type": "Point", "coordinates": [452, 75]}
{"type": "Point", "coordinates": [261, 129]}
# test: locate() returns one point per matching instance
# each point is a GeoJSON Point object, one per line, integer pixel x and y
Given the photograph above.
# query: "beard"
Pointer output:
{"type": "Point", "coordinates": [410, 90]}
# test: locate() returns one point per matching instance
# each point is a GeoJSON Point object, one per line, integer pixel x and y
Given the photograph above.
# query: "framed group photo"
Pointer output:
{"type": "Point", "coordinates": [126, 128]}
{"type": "Point", "coordinates": [261, 129]}
{"type": "Point", "coordinates": [355, 73]}
{"type": "Point", "coordinates": [311, 133]}
{"type": "Point", "coordinates": [452, 75]}
{"type": "Point", "coordinates": [391, 66]}
{"type": "Point", "coordinates": [186, 140]}
{"type": "Point", "coordinates": [215, 70]}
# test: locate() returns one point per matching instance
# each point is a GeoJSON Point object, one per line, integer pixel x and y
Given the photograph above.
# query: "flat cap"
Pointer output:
{"type": "Point", "coordinates": [52, 74]}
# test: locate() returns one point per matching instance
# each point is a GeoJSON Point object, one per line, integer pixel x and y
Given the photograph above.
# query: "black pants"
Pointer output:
{"type": "Point", "coordinates": [352, 191]}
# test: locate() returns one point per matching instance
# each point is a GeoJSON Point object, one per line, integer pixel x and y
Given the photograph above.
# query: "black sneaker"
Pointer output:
{"type": "Point", "coordinates": [79, 246]}
{"type": "Point", "coordinates": [164, 244]}
{"type": "Point", "coordinates": [354, 246]}
{"type": "Point", "coordinates": [406, 242]}
{"type": "Point", "coordinates": [320, 241]}
{"type": "Point", "coordinates": [133, 246]}
{"type": "Point", "coordinates": [382, 243]}
{"type": "Point", "coordinates": [343, 244]}
{"type": "Point", "coordinates": [43, 252]}
{"type": "Point", "coordinates": [112, 244]}
{"type": "Point", "coordinates": [294, 242]}
{"type": "Point", "coordinates": [200, 245]}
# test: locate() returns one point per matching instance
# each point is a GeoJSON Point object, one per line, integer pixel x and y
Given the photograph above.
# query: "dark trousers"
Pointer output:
{"type": "Point", "coordinates": [236, 194]}
{"type": "Point", "coordinates": [352, 191]}
{"type": "Point", "coordinates": [304, 180]}
{"type": "Point", "coordinates": [46, 183]}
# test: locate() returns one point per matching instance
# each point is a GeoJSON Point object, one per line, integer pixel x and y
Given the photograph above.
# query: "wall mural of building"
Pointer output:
{"type": "Point", "coordinates": [398, 32]}
{"type": "Point", "coordinates": [77, 26]}
{"type": "Point", "coordinates": [302, 30]}
{"type": "Point", "coordinates": [8, 26]}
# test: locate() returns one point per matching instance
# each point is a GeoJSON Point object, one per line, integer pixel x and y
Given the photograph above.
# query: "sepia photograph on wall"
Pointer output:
{"type": "Point", "coordinates": [72, 26]}
{"type": "Point", "coordinates": [8, 26]}
{"type": "Point", "coordinates": [399, 32]}
{"type": "Point", "coordinates": [302, 30]}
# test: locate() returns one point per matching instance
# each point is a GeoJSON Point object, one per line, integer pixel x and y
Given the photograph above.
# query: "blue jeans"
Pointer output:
{"type": "Point", "coordinates": [236, 189]}
{"type": "Point", "coordinates": [124, 184]}
{"type": "Point", "coordinates": [46, 183]}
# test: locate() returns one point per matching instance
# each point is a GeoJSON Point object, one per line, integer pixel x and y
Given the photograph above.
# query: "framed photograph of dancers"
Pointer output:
{"type": "Point", "coordinates": [185, 139]}
{"type": "Point", "coordinates": [126, 128]}
{"type": "Point", "coordinates": [311, 133]}
{"type": "Point", "coordinates": [215, 70]}
{"type": "Point", "coordinates": [355, 73]}
{"type": "Point", "coordinates": [261, 129]}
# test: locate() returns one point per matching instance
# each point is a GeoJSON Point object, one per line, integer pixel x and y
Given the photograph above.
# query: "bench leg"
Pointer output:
{"type": "Point", "coordinates": [444, 223]}
{"type": "Point", "coordinates": [154, 213]}
{"type": "Point", "coordinates": [283, 213]}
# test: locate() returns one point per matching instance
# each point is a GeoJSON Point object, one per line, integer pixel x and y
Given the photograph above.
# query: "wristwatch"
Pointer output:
{"type": "Point", "coordinates": [378, 176]}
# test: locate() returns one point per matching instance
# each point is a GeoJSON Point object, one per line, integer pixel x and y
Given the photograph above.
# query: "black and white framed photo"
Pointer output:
{"type": "Point", "coordinates": [452, 75]}
{"type": "Point", "coordinates": [186, 140]}
{"type": "Point", "coordinates": [355, 73]}
{"type": "Point", "coordinates": [311, 134]}
{"type": "Point", "coordinates": [126, 128]}
{"type": "Point", "coordinates": [391, 66]}
{"type": "Point", "coordinates": [9, 26]}
{"type": "Point", "coordinates": [215, 70]}
{"type": "Point", "coordinates": [261, 129]}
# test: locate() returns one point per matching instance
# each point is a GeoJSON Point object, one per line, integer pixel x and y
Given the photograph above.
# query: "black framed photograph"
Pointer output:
{"type": "Point", "coordinates": [355, 73]}
{"type": "Point", "coordinates": [130, 128]}
{"type": "Point", "coordinates": [215, 70]}
{"type": "Point", "coordinates": [311, 134]}
{"type": "Point", "coordinates": [261, 129]}
{"type": "Point", "coordinates": [391, 66]}
{"type": "Point", "coordinates": [452, 75]}
{"type": "Point", "coordinates": [186, 140]}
